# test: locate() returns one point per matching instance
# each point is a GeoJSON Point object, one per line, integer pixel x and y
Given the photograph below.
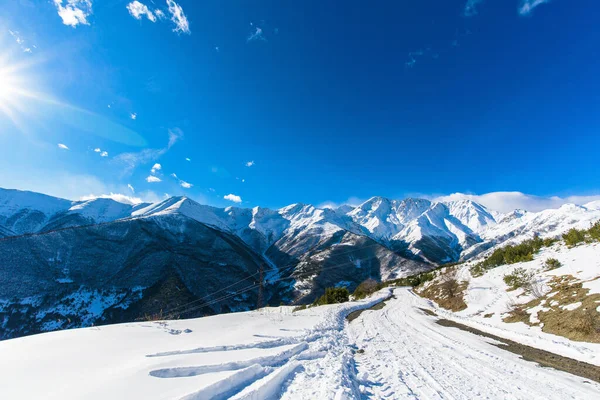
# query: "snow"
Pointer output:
{"type": "Point", "coordinates": [12, 201]}
{"type": "Point", "coordinates": [593, 285]}
{"type": "Point", "coordinates": [278, 353]}
{"type": "Point", "coordinates": [407, 355]}
{"type": "Point", "coordinates": [572, 306]}
{"type": "Point", "coordinates": [250, 354]}
{"type": "Point", "coordinates": [488, 294]}
{"type": "Point", "coordinates": [103, 210]}
{"type": "Point", "coordinates": [462, 228]}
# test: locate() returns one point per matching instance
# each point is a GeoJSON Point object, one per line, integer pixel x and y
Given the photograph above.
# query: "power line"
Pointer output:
{"type": "Point", "coordinates": [253, 286]}
{"type": "Point", "coordinates": [280, 270]}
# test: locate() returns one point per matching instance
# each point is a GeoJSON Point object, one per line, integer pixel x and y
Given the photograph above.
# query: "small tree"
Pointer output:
{"type": "Point", "coordinates": [552, 263]}
{"type": "Point", "coordinates": [520, 278]}
{"type": "Point", "coordinates": [333, 296]}
{"type": "Point", "coordinates": [594, 231]}
{"type": "Point", "coordinates": [366, 288]}
{"type": "Point", "coordinates": [573, 237]}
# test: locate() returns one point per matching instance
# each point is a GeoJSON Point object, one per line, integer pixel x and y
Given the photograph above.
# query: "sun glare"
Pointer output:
{"type": "Point", "coordinates": [16, 88]}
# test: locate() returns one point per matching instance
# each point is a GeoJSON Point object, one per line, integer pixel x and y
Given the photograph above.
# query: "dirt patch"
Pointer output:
{"type": "Point", "coordinates": [569, 311]}
{"type": "Point", "coordinates": [542, 357]}
{"type": "Point", "coordinates": [447, 293]}
{"type": "Point", "coordinates": [488, 315]}
{"type": "Point", "coordinates": [355, 314]}
{"type": "Point", "coordinates": [428, 312]}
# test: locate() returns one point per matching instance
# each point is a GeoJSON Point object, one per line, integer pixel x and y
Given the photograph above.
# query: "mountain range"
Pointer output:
{"type": "Point", "coordinates": [67, 264]}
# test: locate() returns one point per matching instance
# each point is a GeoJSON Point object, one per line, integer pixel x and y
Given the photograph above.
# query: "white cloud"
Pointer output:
{"type": "Point", "coordinates": [256, 35]}
{"type": "Point", "coordinates": [249, 163]}
{"type": "Point", "coordinates": [130, 188]}
{"type": "Point", "coordinates": [118, 197]}
{"type": "Point", "coordinates": [183, 183]}
{"type": "Point", "coordinates": [352, 201]}
{"type": "Point", "coordinates": [527, 6]}
{"type": "Point", "coordinates": [471, 7]}
{"type": "Point", "coordinates": [187, 159]}
{"type": "Point", "coordinates": [159, 14]}
{"type": "Point", "coordinates": [132, 160]}
{"type": "Point", "coordinates": [133, 116]}
{"type": "Point", "coordinates": [137, 10]}
{"type": "Point", "coordinates": [97, 150]}
{"type": "Point", "coordinates": [104, 154]}
{"type": "Point", "coordinates": [152, 179]}
{"type": "Point", "coordinates": [74, 12]}
{"type": "Point", "coordinates": [178, 17]}
{"type": "Point", "coordinates": [233, 197]}
{"type": "Point", "coordinates": [155, 167]}
{"type": "Point", "coordinates": [509, 201]}
{"type": "Point", "coordinates": [63, 146]}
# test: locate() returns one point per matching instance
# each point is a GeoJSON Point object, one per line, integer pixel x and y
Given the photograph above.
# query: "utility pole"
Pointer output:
{"type": "Point", "coordinates": [259, 301]}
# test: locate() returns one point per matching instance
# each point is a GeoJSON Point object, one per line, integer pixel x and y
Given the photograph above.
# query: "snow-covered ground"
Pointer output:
{"type": "Point", "coordinates": [488, 299]}
{"type": "Point", "coordinates": [278, 353]}
{"type": "Point", "coordinates": [251, 355]}
{"type": "Point", "coordinates": [408, 356]}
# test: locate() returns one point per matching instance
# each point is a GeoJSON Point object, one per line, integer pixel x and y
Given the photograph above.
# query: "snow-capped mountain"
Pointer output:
{"type": "Point", "coordinates": [74, 263]}
{"type": "Point", "coordinates": [23, 212]}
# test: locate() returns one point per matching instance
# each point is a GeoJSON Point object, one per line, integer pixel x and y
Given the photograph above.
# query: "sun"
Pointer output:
{"type": "Point", "coordinates": [16, 89]}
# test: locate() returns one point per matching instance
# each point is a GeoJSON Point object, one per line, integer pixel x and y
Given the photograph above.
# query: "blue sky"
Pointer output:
{"type": "Point", "coordinates": [275, 102]}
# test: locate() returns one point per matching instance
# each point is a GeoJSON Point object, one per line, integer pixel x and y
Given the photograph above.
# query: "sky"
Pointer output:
{"type": "Point", "coordinates": [276, 102]}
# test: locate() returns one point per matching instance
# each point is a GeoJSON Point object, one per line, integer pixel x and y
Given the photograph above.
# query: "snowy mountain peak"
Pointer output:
{"type": "Point", "coordinates": [471, 214]}
{"type": "Point", "coordinates": [12, 201]}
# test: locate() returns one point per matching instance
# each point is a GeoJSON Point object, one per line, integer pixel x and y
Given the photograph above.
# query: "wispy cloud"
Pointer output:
{"type": "Point", "coordinates": [249, 164]}
{"type": "Point", "coordinates": [188, 159]}
{"type": "Point", "coordinates": [256, 34]}
{"type": "Point", "coordinates": [104, 154]}
{"type": "Point", "coordinates": [509, 201]}
{"type": "Point", "coordinates": [415, 56]}
{"type": "Point", "coordinates": [74, 12]}
{"type": "Point", "coordinates": [63, 146]}
{"type": "Point", "coordinates": [138, 10]}
{"type": "Point", "coordinates": [471, 7]}
{"type": "Point", "coordinates": [527, 6]}
{"type": "Point", "coordinates": [175, 134]}
{"type": "Point", "coordinates": [130, 187]}
{"type": "Point", "coordinates": [155, 168]}
{"type": "Point", "coordinates": [182, 183]}
{"type": "Point", "coordinates": [118, 197]}
{"type": "Point", "coordinates": [233, 197]}
{"type": "Point", "coordinates": [178, 17]}
{"type": "Point", "coordinates": [133, 116]}
{"type": "Point", "coordinates": [97, 150]}
{"type": "Point", "coordinates": [132, 160]}
{"type": "Point", "coordinates": [153, 179]}
{"type": "Point", "coordinates": [20, 41]}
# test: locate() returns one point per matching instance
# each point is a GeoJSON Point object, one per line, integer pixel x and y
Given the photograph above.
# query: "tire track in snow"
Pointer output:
{"type": "Point", "coordinates": [406, 355]}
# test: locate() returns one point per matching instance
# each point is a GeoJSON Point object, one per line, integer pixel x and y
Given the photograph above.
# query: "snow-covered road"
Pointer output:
{"type": "Point", "coordinates": [408, 355]}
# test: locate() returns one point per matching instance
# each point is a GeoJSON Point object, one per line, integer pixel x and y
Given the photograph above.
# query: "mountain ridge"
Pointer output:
{"type": "Point", "coordinates": [69, 263]}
